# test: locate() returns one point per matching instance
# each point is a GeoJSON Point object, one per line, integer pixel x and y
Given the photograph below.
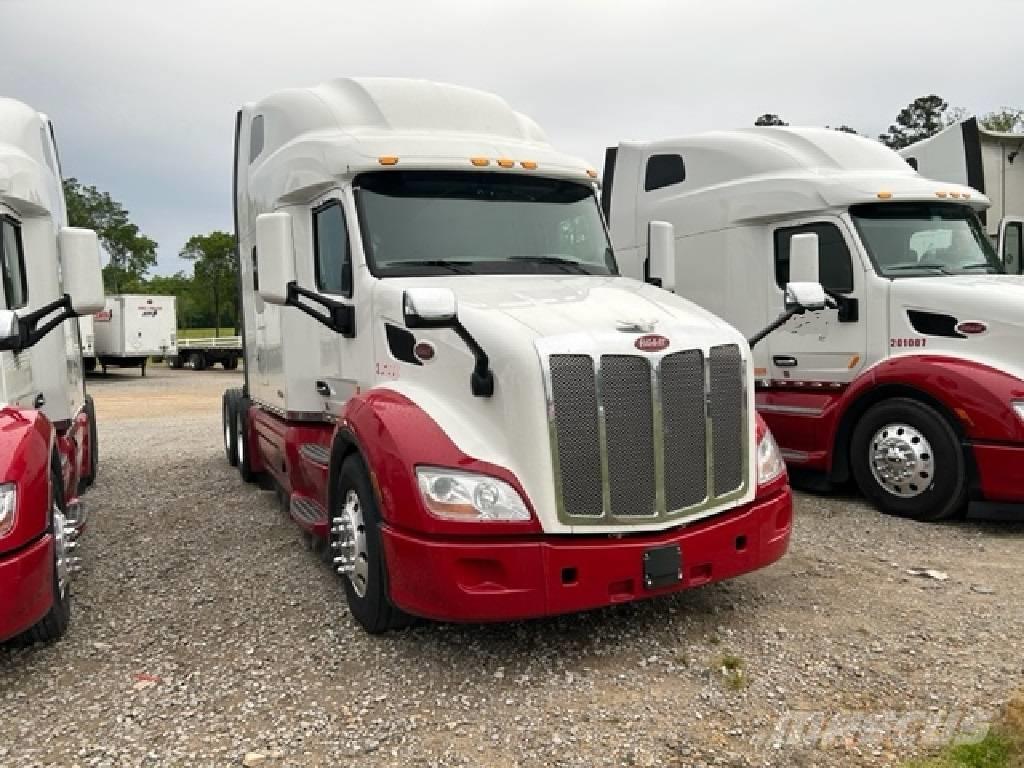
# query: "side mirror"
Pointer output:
{"type": "Point", "coordinates": [80, 267]}
{"type": "Point", "coordinates": [10, 328]}
{"type": "Point", "coordinates": [661, 253]}
{"type": "Point", "coordinates": [276, 264]}
{"type": "Point", "coordinates": [804, 291]}
{"type": "Point", "coordinates": [429, 308]}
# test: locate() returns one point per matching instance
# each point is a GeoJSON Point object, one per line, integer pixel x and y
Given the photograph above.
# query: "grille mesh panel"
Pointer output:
{"type": "Point", "coordinates": [574, 395]}
{"type": "Point", "coordinates": [726, 411]}
{"type": "Point", "coordinates": [629, 427]}
{"type": "Point", "coordinates": [685, 429]}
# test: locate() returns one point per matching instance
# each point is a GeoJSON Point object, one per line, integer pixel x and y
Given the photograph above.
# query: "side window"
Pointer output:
{"type": "Point", "coordinates": [330, 250]}
{"type": "Point", "coordinates": [834, 262]}
{"type": "Point", "coordinates": [663, 171]}
{"type": "Point", "coordinates": [255, 137]}
{"type": "Point", "coordinates": [12, 265]}
{"type": "Point", "coordinates": [1013, 247]}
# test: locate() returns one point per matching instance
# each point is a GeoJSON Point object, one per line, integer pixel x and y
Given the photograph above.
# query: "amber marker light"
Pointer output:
{"type": "Point", "coordinates": [530, 165]}
{"type": "Point", "coordinates": [388, 160]}
{"type": "Point", "coordinates": [504, 162]}
{"type": "Point", "coordinates": [480, 162]}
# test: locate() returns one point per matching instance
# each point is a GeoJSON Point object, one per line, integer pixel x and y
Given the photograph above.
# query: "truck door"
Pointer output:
{"type": "Point", "coordinates": [827, 346]}
{"type": "Point", "coordinates": [1011, 244]}
{"type": "Point", "coordinates": [16, 385]}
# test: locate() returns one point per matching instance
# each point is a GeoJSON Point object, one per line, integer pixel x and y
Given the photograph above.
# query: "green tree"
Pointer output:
{"type": "Point", "coordinates": [216, 270]}
{"type": "Point", "coordinates": [191, 298]}
{"type": "Point", "coordinates": [844, 128]}
{"type": "Point", "coordinates": [923, 117]}
{"type": "Point", "coordinates": [1004, 120]}
{"type": "Point", "coordinates": [131, 254]}
{"type": "Point", "coordinates": [770, 119]}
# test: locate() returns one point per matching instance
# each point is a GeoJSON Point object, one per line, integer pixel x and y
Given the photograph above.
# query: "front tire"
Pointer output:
{"type": "Point", "coordinates": [358, 553]}
{"type": "Point", "coordinates": [907, 460]}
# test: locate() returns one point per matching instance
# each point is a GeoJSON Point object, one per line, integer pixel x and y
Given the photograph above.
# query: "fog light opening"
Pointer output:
{"type": "Point", "coordinates": [741, 543]}
{"type": "Point", "coordinates": [569, 576]}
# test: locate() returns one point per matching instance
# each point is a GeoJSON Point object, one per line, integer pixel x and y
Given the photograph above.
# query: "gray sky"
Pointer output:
{"type": "Point", "coordinates": [143, 93]}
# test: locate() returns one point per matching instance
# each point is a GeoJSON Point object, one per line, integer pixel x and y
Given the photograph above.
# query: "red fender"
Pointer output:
{"type": "Point", "coordinates": [25, 460]}
{"type": "Point", "coordinates": [395, 436]}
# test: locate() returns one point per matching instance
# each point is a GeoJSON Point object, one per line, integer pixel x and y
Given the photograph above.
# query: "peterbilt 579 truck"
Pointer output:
{"type": "Point", "coordinates": [452, 387]}
{"type": "Point", "coordinates": [49, 275]}
{"type": "Point", "coordinates": [912, 383]}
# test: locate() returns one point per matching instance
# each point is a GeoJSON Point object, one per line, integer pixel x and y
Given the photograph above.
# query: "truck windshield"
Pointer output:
{"type": "Point", "coordinates": [453, 222]}
{"type": "Point", "coordinates": [915, 239]}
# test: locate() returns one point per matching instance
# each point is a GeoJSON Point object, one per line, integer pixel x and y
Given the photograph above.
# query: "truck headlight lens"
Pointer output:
{"type": "Point", "coordinates": [1018, 406]}
{"type": "Point", "coordinates": [452, 494]}
{"type": "Point", "coordinates": [769, 459]}
{"type": "Point", "coordinates": [8, 502]}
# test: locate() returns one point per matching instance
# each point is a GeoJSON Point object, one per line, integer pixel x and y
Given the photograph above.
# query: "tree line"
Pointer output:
{"type": "Point", "coordinates": [208, 298]}
{"type": "Point", "coordinates": [924, 117]}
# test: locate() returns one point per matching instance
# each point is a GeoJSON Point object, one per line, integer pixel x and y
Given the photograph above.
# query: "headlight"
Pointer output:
{"type": "Point", "coordinates": [769, 459]}
{"type": "Point", "coordinates": [1018, 406]}
{"type": "Point", "coordinates": [455, 495]}
{"type": "Point", "coordinates": [8, 502]}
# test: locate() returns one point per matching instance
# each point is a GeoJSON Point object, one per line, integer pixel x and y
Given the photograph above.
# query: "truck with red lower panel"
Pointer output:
{"type": "Point", "coordinates": [49, 276]}
{"type": "Point", "coordinates": [451, 386]}
{"type": "Point", "coordinates": [912, 382]}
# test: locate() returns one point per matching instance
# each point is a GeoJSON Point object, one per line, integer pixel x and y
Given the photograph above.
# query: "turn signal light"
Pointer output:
{"type": "Point", "coordinates": [387, 160]}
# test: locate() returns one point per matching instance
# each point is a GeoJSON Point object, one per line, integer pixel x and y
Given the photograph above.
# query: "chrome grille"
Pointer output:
{"type": "Point", "coordinates": [643, 437]}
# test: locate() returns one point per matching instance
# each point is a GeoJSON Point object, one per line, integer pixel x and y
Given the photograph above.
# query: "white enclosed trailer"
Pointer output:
{"type": "Point", "coordinates": [990, 162]}
{"type": "Point", "coordinates": [134, 327]}
{"type": "Point", "coordinates": [451, 385]}
{"type": "Point", "coordinates": [913, 384]}
{"type": "Point", "coordinates": [87, 336]}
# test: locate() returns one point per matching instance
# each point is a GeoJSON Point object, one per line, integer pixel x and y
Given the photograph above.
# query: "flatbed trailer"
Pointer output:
{"type": "Point", "coordinates": [200, 354]}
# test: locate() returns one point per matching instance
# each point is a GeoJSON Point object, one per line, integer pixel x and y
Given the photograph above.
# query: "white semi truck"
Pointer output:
{"type": "Point", "coordinates": [452, 387]}
{"type": "Point", "coordinates": [913, 383]}
{"type": "Point", "coordinates": [134, 327]}
{"type": "Point", "coordinates": [49, 276]}
{"type": "Point", "coordinates": [990, 162]}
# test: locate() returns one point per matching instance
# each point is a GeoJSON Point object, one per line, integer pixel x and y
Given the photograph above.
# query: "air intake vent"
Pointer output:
{"type": "Point", "coordinates": [934, 324]}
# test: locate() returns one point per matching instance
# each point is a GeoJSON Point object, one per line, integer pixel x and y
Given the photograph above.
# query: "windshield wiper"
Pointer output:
{"type": "Point", "coordinates": [568, 265]}
{"type": "Point", "coordinates": [982, 265]}
{"type": "Point", "coordinates": [459, 267]}
{"type": "Point", "coordinates": [901, 267]}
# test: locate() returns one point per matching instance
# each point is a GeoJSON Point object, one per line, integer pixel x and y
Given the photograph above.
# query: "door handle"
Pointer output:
{"type": "Point", "coordinates": [784, 361]}
{"type": "Point", "coordinates": [323, 389]}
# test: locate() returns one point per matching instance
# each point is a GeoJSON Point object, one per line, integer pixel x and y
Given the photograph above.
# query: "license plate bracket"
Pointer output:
{"type": "Point", "coordinates": [663, 566]}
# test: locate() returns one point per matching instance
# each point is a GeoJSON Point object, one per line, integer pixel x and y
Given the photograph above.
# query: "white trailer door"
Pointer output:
{"type": "Point", "coordinates": [831, 345]}
{"type": "Point", "coordinates": [1011, 244]}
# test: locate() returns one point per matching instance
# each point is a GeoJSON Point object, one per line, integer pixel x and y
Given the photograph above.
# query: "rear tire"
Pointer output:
{"type": "Point", "coordinates": [231, 364]}
{"type": "Point", "coordinates": [229, 406]}
{"type": "Point", "coordinates": [197, 361]}
{"type": "Point", "coordinates": [94, 446]}
{"type": "Point", "coordinates": [54, 625]}
{"type": "Point", "coordinates": [366, 584]}
{"type": "Point", "coordinates": [243, 458]}
{"type": "Point", "coordinates": [907, 460]}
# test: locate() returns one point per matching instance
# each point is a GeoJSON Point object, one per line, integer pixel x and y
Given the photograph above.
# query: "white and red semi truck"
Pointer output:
{"type": "Point", "coordinates": [913, 383]}
{"type": "Point", "coordinates": [451, 385]}
{"type": "Point", "coordinates": [49, 275]}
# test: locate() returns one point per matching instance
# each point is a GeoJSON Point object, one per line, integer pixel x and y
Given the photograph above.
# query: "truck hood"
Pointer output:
{"type": "Point", "coordinates": [995, 300]}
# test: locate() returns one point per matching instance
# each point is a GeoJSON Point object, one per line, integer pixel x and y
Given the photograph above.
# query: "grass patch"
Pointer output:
{"type": "Point", "coordinates": [204, 333]}
{"type": "Point", "coordinates": [994, 751]}
{"type": "Point", "coordinates": [731, 668]}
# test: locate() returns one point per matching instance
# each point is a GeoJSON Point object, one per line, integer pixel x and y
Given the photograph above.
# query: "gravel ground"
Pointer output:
{"type": "Point", "coordinates": [205, 634]}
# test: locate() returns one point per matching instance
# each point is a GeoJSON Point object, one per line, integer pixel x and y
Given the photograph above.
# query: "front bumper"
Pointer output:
{"type": "Point", "coordinates": [26, 587]}
{"type": "Point", "coordinates": [1000, 482]}
{"type": "Point", "coordinates": [500, 580]}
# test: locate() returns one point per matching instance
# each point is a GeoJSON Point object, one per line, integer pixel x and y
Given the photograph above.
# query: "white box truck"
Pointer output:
{"type": "Point", "coordinates": [134, 327]}
{"type": "Point", "coordinates": [451, 386]}
{"type": "Point", "coordinates": [990, 162]}
{"type": "Point", "coordinates": [49, 276]}
{"type": "Point", "coordinates": [913, 383]}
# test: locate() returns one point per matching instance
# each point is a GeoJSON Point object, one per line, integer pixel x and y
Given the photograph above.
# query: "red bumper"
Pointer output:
{"type": "Point", "coordinates": [26, 587]}
{"type": "Point", "coordinates": [1000, 472]}
{"type": "Point", "coordinates": [500, 580]}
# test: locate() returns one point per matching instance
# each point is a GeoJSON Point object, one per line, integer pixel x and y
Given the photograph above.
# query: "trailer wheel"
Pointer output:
{"type": "Point", "coordinates": [94, 446]}
{"type": "Point", "coordinates": [174, 362]}
{"type": "Point", "coordinates": [230, 408]}
{"type": "Point", "coordinates": [54, 624]}
{"type": "Point", "coordinates": [231, 363]}
{"type": "Point", "coordinates": [89, 364]}
{"type": "Point", "coordinates": [197, 361]}
{"type": "Point", "coordinates": [907, 460]}
{"type": "Point", "coordinates": [242, 453]}
{"type": "Point", "coordinates": [358, 553]}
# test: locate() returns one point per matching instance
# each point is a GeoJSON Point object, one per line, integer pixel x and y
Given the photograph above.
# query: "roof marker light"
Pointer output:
{"type": "Point", "coordinates": [480, 161]}
{"type": "Point", "coordinates": [591, 173]}
{"type": "Point", "coordinates": [965, 195]}
{"type": "Point", "coordinates": [940, 194]}
{"type": "Point", "coordinates": [530, 165]}
{"type": "Point", "coordinates": [885, 195]}
{"type": "Point", "coordinates": [504, 162]}
{"type": "Point", "coordinates": [955, 194]}
{"type": "Point", "coordinates": [388, 160]}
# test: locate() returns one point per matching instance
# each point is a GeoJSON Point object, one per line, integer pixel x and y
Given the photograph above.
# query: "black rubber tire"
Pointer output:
{"type": "Point", "coordinates": [89, 364]}
{"type": "Point", "coordinates": [94, 447]}
{"type": "Point", "coordinates": [231, 363]}
{"type": "Point", "coordinates": [174, 362]}
{"type": "Point", "coordinates": [197, 361]}
{"type": "Point", "coordinates": [54, 625]}
{"type": "Point", "coordinates": [945, 496]}
{"type": "Point", "coordinates": [244, 462]}
{"type": "Point", "coordinates": [229, 404]}
{"type": "Point", "coordinates": [374, 611]}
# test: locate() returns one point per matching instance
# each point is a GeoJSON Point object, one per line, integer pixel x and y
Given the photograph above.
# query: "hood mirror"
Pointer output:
{"type": "Point", "coordinates": [429, 308]}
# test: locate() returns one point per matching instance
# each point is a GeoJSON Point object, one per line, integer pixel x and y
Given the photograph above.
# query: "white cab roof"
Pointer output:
{"type": "Point", "coordinates": [27, 169]}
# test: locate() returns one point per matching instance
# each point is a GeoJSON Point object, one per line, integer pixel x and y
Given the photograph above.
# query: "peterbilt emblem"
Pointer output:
{"type": "Point", "coordinates": [651, 342]}
{"type": "Point", "coordinates": [636, 326]}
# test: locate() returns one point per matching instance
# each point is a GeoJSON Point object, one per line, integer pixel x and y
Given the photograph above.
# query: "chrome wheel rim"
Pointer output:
{"type": "Point", "coordinates": [60, 547]}
{"type": "Point", "coordinates": [240, 442]}
{"type": "Point", "coordinates": [227, 430]}
{"type": "Point", "coordinates": [901, 460]}
{"type": "Point", "coordinates": [348, 543]}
